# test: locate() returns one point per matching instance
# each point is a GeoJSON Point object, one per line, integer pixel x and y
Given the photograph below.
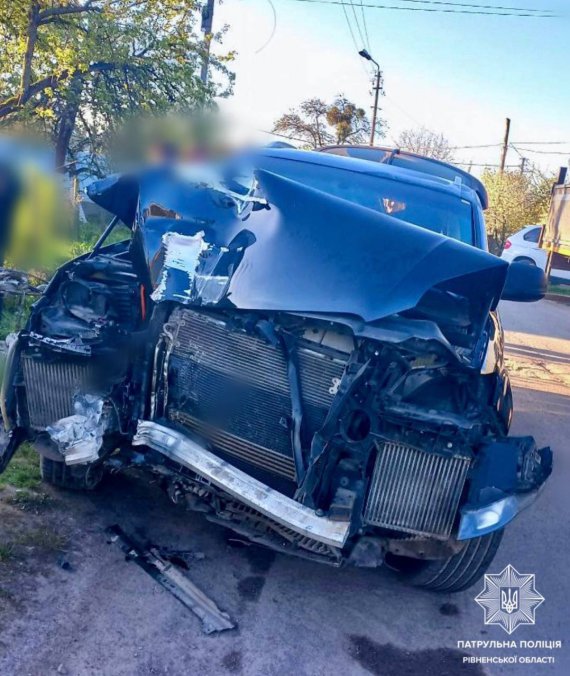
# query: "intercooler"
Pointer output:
{"type": "Point", "coordinates": [50, 388]}
{"type": "Point", "coordinates": [232, 388]}
{"type": "Point", "coordinates": [414, 491]}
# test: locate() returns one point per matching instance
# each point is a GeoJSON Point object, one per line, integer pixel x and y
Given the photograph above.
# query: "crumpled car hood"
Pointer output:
{"type": "Point", "coordinates": [305, 251]}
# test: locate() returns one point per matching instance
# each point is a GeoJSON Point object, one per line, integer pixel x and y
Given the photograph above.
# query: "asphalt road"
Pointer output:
{"type": "Point", "coordinates": [105, 616]}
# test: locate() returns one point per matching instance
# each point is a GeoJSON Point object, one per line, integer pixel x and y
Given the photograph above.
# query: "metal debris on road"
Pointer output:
{"type": "Point", "coordinates": [166, 574]}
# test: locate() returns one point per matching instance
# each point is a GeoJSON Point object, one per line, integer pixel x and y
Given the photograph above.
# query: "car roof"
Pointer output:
{"type": "Point", "coordinates": [526, 228]}
{"type": "Point", "coordinates": [389, 171]}
{"type": "Point", "coordinates": [414, 161]}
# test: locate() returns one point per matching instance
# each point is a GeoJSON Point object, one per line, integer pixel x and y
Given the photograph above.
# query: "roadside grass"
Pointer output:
{"type": "Point", "coordinates": [40, 540]}
{"type": "Point", "coordinates": [23, 470]}
{"type": "Point", "coordinates": [6, 551]}
{"type": "Point", "coordinates": [30, 501]}
{"type": "Point", "coordinates": [44, 538]}
{"type": "Point", "coordinates": [5, 594]}
{"type": "Point", "coordinates": [15, 310]}
{"type": "Point", "coordinates": [561, 289]}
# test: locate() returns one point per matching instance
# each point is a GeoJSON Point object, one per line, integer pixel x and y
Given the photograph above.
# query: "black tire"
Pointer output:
{"type": "Point", "coordinates": [73, 478]}
{"type": "Point", "coordinates": [525, 259]}
{"type": "Point", "coordinates": [454, 574]}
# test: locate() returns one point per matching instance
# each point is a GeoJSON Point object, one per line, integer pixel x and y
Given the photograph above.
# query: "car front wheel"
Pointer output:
{"type": "Point", "coordinates": [454, 574]}
{"type": "Point", "coordinates": [74, 477]}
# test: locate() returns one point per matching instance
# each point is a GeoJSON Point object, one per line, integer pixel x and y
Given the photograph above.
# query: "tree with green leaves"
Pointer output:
{"type": "Point", "coordinates": [75, 70]}
{"type": "Point", "coordinates": [515, 200]}
{"type": "Point", "coordinates": [316, 123]}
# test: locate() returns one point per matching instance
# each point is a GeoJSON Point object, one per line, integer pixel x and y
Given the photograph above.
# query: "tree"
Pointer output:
{"type": "Point", "coordinates": [307, 124]}
{"type": "Point", "coordinates": [350, 123]}
{"type": "Point", "coordinates": [317, 123]}
{"type": "Point", "coordinates": [515, 200]}
{"type": "Point", "coordinates": [423, 141]}
{"type": "Point", "coordinates": [78, 68]}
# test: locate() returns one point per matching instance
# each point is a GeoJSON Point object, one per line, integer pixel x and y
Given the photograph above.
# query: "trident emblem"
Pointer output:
{"type": "Point", "coordinates": [509, 600]}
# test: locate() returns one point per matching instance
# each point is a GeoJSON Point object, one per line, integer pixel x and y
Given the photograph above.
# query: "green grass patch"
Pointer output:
{"type": "Point", "coordinates": [6, 595]}
{"type": "Point", "coordinates": [6, 552]}
{"type": "Point", "coordinates": [23, 470]}
{"type": "Point", "coordinates": [31, 501]}
{"type": "Point", "coordinates": [44, 538]}
{"type": "Point", "coordinates": [561, 289]}
{"type": "Point", "coordinates": [15, 313]}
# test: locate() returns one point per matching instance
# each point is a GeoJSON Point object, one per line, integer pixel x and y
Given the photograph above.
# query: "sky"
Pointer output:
{"type": "Point", "coordinates": [456, 74]}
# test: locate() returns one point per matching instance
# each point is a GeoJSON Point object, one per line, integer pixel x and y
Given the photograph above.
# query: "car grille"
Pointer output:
{"type": "Point", "coordinates": [414, 491]}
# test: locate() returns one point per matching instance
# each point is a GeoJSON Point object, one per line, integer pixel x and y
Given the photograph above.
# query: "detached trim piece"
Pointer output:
{"type": "Point", "coordinates": [213, 619]}
{"type": "Point", "coordinates": [240, 485]}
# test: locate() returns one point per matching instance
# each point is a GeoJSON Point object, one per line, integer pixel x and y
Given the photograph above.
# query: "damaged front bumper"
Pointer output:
{"type": "Point", "coordinates": [507, 477]}
{"type": "Point", "coordinates": [269, 502]}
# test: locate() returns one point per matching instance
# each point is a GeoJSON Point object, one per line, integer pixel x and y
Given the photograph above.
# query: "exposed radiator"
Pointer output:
{"type": "Point", "coordinates": [414, 491]}
{"type": "Point", "coordinates": [245, 450]}
{"type": "Point", "coordinates": [50, 387]}
{"type": "Point", "coordinates": [233, 389]}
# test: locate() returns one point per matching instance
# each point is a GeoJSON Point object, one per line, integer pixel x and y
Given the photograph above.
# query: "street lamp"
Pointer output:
{"type": "Point", "coordinates": [377, 87]}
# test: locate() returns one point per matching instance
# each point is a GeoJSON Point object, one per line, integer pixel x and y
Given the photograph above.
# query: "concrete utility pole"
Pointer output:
{"type": "Point", "coordinates": [207, 21]}
{"type": "Point", "coordinates": [505, 144]}
{"type": "Point", "coordinates": [377, 89]}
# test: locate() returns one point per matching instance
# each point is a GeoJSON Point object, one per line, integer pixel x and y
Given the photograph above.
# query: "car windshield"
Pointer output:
{"type": "Point", "coordinates": [437, 211]}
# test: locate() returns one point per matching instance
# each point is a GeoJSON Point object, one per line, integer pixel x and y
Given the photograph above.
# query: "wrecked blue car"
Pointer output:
{"type": "Point", "coordinates": [302, 346]}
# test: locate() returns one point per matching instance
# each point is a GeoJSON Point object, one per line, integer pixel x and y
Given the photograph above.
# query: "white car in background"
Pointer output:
{"type": "Point", "coordinates": [523, 247]}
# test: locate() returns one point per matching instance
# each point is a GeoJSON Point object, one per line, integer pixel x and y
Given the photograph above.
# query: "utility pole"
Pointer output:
{"type": "Point", "coordinates": [505, 144]}
{"type": "Point", "coordinates": [207, 21]}
{"type": "Point", "coordinates": [523, 164]}
{"type": "Point", "coordinates": [377, 89]}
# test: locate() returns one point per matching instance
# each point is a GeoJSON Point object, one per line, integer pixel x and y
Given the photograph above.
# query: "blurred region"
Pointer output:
{"type": "Point", "coordinates": [46, 217]}
{"type": "Point", "coordinates": [36, 208]}
{"type": "Point", "coordinates": [167, 138]}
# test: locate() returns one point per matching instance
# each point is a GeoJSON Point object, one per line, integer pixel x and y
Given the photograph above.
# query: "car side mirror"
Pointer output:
{"type": "Point", "coordinates": [525, 283]}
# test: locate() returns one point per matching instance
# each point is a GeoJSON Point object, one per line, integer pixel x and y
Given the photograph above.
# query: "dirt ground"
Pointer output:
{"type": "Point", "coordinates": [71, 604]}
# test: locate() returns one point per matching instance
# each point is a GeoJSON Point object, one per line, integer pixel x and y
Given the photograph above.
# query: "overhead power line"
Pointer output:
{"type": "Point", "coordinates": [448, 3]}
{"type": "Point", "coordinates": [513, 143]}
{"type": "Point", "coordinates": [543, 143]}
{"type": "Point", "coordinates": [360, 31]}
{"type": "Point", "coordinates": [349, 25]}
{"type": "Point", "coordinates": [486, 164]}
{"type": "Point", "coordinates": [365, 26]}
{"type": "Point", "coordinates": [484, 145]}
{"type": "Point", "coordinates": [533, 13]}
{"type": "Point", "coordinates": [542, 152]}
{"type": "Point", "coordinates": [356, 46]}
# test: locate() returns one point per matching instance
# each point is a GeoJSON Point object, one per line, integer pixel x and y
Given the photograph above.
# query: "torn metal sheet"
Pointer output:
{"type": "Point", "coordinates": [168, 576]}
{"type": "Point", "coordinates": [79, 436]}
{"type": "Point", "coordinates": [72, 345]}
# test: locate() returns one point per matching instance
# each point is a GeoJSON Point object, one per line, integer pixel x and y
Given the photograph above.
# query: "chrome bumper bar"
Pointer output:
{"type": "Point", "coordinates": [179, 448]}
